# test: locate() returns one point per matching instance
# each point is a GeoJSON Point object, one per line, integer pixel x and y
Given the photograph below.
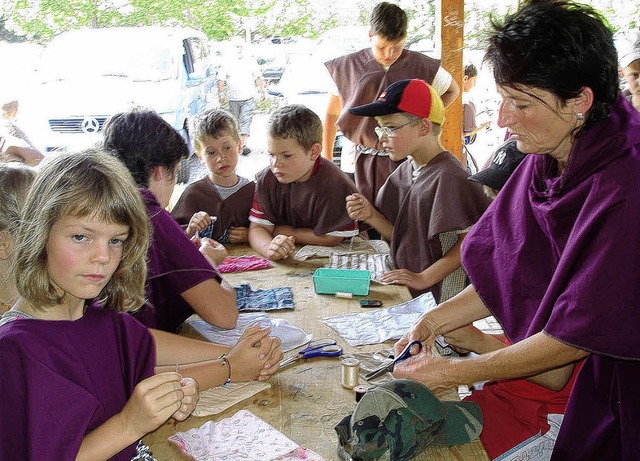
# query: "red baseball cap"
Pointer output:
{"type": "Point", "coordinates": [413, 96]}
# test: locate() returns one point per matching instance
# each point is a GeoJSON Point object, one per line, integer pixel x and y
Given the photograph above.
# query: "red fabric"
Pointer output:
{"type": "Point", "coordinates": [515, 410]}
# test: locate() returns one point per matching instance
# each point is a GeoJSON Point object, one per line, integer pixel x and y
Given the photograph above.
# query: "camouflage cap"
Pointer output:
{"type": "Point", "coordinates": [400, 418]}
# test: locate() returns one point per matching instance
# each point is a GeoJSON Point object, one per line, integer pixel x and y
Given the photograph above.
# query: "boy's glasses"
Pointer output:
{"type": "Point", "coordinates": [387, 131]}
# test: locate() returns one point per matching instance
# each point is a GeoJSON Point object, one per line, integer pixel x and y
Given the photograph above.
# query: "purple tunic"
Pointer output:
{"type": "Point", "coordinates": [174, 266]}
{"type": "Point", "coordinates": [317, 203]}
{"type": "Point", "coordinates": [202, 195]}
{"type": "Point", "coordinates": [441, 199]}
{"type": "Point", "coordinates": [560, 255]}
{"type": "Point", "coordinates": [62, 379]}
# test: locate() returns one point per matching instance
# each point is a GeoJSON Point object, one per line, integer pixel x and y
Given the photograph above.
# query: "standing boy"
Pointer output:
{"type": "Point", "coordinates": [427, 205]}
{"type": "Point", "coordinates": [360, 77]}
{"type": "Point", "coordinates": [217, 205]}
{"type": "Point", "coordinates": [299, 197]}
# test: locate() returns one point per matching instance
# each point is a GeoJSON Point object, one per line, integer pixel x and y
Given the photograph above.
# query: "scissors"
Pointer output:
{"type": "Point", "coordinates": [318, 348]}
{"type": "Point", "coordinates": [406, 352]}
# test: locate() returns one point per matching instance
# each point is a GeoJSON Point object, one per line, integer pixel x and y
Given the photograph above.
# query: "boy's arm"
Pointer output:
{"type": "Point", "coordinates": [433, 274]}
{"type": "Point", "coordinates": [360, 209]}
{"type": "Point", "coordinates": [262, 240]}
{"type": "Point", "coordinates": [329, 128]}
{"type": "Point", "coordinates": [305, 236]}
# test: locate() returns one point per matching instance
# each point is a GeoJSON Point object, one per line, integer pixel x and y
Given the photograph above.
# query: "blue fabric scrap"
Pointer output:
{"type": "Point", "coordinates": [264, 300]}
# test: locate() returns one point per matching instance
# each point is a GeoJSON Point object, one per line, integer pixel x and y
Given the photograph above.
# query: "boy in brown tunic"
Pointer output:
{"type": "Point", "coordinates": [427, 205]}
{"type": "Point", "coordinates": [299, 198]}
{"type": "Point", "coordinates": [217, 205]}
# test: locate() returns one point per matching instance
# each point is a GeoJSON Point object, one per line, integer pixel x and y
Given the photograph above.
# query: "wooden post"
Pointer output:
{"type": "Point", "coordinates": [452, 39]}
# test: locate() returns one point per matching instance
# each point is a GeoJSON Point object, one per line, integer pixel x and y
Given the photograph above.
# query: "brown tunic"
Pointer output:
{"type": "Point", "coordinates": [202, 195]}
{"type": "Point", "coordinates": [441, 199]}
{"type": "Point", "coordinates": [360, 80]}
{"type": "Point", "coordinates": [318, 203]}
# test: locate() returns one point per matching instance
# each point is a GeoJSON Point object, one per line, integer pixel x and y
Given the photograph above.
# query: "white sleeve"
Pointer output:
{"type": "Point", "coordinates": [442, 81]}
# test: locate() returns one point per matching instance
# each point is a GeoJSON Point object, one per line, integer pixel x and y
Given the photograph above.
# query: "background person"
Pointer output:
{"type": "Point", "coordinates": [15, 180]}
{"type": "Point", "coordinates": [360, 77]}
{"type": "Point", "coordinates": [238, 79]}
{"type": "Point", "coordinates": [554, 258]}
{"type": "Point", "coordinates": [14, 143]}
{"type": "Point", "coordinates": [630, 63]}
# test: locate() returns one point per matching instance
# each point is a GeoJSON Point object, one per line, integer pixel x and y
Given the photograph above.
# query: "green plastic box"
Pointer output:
{"type": "Point", "coordinates": [331, 281]}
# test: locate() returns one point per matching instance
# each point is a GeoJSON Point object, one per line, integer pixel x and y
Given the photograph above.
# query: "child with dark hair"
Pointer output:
{"type": "Point", "coordinates": [182, 279]}
{"type": "Point", "coordinates": [298, 197]}
{"type": "Point", "coordinates": [218, 205]}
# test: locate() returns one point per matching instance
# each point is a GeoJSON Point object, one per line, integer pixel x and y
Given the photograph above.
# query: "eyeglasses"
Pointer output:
{"type": "Point", "coordinates": [387, 131]}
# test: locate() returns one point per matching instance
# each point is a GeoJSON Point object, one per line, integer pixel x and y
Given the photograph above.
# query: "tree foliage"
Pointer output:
{"type": "Point", "coordinates": [40, 20]}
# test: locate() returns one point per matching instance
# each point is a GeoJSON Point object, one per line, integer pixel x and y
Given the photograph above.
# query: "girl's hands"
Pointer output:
{"type": "Point", "coordinates": [413, 280]}
{"type": "Point", "coordinates": [190, 392]}
{"type": "Point", "coordinates": [256, 355]}
{"type": "Point", "coordinates": [153, 401]}
{"type": "Point", "coordinates": [213, 250]}
{"type": "Point", "coordinates": [198, 222]}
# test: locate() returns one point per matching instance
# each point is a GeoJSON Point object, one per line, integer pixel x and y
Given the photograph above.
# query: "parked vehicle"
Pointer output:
{"type": "Point", "coordinates": [306, 81]}
{"type": "Point", "coordinates": [88, 75]}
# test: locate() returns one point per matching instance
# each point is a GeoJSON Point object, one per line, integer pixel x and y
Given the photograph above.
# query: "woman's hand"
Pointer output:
{"type": "Point", "coordinates": [405, 277]}
{"type": "Point", "coordinates": [429, 370]}
{"type": "Point", "coordinates": [152, 402]}
{"type": "Point", "coordinates": [190, 393]}
{"type": "Point", "coordinates": [358, 207]}
{"type": "Point", "coordinates": [424, 330]}
{"type": "Point", "coordinates": [238, 234]}
{"type": "Point", "coordinates": [198, 222]}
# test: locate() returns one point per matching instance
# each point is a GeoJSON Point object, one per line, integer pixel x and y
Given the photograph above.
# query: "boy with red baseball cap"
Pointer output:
{"type": "Point", "coordinates": [427, 205]}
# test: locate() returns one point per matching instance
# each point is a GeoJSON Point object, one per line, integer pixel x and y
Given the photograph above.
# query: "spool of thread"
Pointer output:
{"type": "Point", "coordinates": [344, 294]}
{"type": "Point", "coordinates": [350, 372]}
{"type": "Point", "coordinates": [360, 391]}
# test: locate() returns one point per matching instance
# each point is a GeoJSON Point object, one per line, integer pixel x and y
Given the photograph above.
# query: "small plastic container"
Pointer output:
{"type": "Point", "coordinates": [331, 281]}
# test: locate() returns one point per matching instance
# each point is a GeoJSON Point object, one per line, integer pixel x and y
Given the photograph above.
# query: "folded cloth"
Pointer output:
{"type": "Point", "coordinates": [263, 300]}
{"type": "Point", "coordinates": [243, 263]}
{"type": "Point", "coordinates": [217, 399]}
{"type": "Point", "coordinates": [242, 436]}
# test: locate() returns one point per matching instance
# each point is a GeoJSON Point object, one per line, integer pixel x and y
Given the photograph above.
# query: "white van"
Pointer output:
{"type": "Point", "coordinates": [88, 75]}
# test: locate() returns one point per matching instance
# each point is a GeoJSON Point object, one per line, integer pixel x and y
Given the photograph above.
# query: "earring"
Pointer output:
{"type": "Point", "coordinates": [579, 115]}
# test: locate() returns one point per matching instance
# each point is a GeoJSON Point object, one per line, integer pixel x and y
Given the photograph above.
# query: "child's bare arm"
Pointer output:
{"type": "Point", "coordinates": [214, 302]}
{"type": "Point", "coordinates": [153, 401]}
{"type": "Point", "coordinates": [433, 274]}
{"type": "Point", "coordinates": [360, 209]}
{"type": "Point", "coordinates": [306, 236]}
{"type": "Point", "coordinates": [262, 240]}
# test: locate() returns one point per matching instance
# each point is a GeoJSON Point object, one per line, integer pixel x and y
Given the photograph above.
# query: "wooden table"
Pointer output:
{"type": "Point", "coordinates": [307, 400]}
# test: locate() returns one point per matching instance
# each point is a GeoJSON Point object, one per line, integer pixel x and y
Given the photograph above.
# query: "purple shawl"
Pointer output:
{"type": "Point", "coordinates": [62, 379]}
{"type": "Point", "coordinates": [175, 265]}
{"type": "Point", "coordinates": [561, 254]}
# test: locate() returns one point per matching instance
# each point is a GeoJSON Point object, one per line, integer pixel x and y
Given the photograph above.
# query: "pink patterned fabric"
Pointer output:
{"type": "Point", "coordinates": [243, 263]}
